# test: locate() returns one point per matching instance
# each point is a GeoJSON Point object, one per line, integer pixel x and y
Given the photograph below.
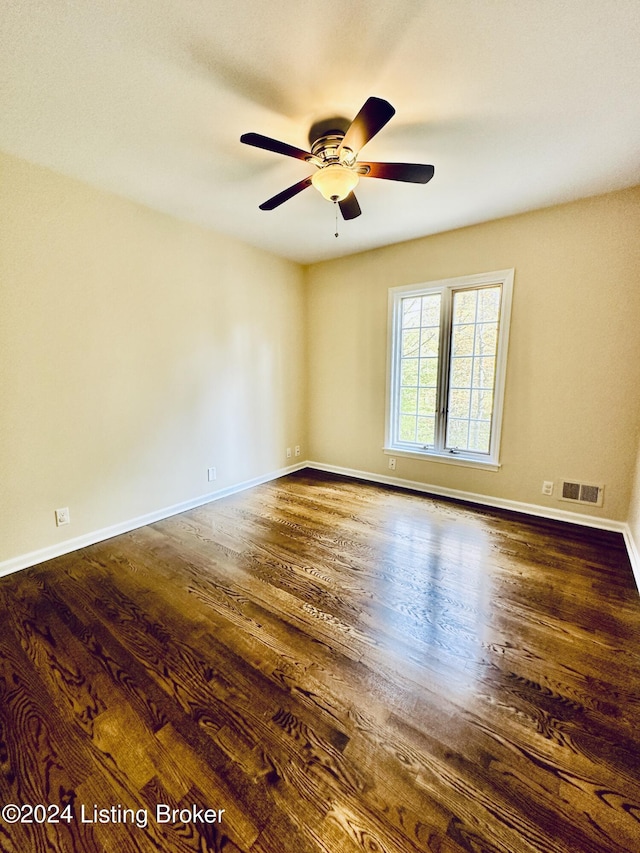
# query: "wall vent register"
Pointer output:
{"type": "Point", "coordinates": [582, 493]}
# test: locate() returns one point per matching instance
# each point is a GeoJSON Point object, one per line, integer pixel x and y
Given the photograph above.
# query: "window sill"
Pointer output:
{"type": "Point", "coordinates": [448, 458]}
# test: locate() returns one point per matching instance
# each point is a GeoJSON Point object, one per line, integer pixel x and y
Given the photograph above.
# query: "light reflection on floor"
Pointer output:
{"type": "Point", "coordinates": [423, 616]}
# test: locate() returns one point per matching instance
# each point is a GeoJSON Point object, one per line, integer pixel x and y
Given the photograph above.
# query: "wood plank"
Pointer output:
{"type": "Point", "coordinates": [340, 667]}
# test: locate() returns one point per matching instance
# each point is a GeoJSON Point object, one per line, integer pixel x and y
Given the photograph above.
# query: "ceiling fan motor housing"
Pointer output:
{"type": "Point", "coordinates": [326, 137]}
{"type": "Point", "coordinates": [327, 149]}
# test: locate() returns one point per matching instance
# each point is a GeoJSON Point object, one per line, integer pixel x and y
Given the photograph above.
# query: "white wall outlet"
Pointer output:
{"type": "Point", "coordinates": [288, 453]}
{"type": "Point", "coordinates": [62, 516]}
{"type": "Point", "coordinates": [211, 474]}
{"type": "Point", "coordinates": [297, 450]}
{"type": "Point", "coordinates": [547, 487]}
{"type": "Point", "coordinates": [392, 463]}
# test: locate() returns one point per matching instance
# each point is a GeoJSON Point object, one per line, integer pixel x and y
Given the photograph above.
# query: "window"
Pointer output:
{"type": "Point", "coordinates": [447, 363]}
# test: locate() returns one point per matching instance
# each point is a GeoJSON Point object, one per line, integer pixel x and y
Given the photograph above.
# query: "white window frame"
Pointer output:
{"type": "Point", "coordinates": [447, 287]}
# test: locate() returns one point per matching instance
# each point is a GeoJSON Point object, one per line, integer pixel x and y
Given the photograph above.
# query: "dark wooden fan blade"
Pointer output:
{"type": "Point", "coordinates": [285, 195]}
{"type": "Point", "coordinates": [372, 117]}
{"type": "Point", "coordinates": [349, 207]}
{"type": "Point", "coordinates": [260, 141]}
{"type": "Point", "coordinates": [414, 173]}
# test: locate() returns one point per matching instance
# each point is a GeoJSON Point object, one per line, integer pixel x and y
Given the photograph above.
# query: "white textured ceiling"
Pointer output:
{"type": "Point", "coordinates": [518, 104]}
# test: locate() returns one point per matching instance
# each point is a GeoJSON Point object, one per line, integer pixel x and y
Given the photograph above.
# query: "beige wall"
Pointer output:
{"type": "Point", "coordinates": [135, 351]}
{"type": "Point", "coordinates": [572, 402]}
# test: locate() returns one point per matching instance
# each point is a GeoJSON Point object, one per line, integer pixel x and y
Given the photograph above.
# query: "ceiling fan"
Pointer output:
{"type": "Point", "coordinates": [335, 145]}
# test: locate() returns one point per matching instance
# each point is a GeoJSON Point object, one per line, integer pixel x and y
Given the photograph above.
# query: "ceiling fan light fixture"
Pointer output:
{"type": "Point", "coordinates": [335, 181]}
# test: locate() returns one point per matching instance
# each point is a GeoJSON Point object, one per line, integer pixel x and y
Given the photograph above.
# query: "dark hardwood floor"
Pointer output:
{"type": "Point", "coordinates": [339, 666]}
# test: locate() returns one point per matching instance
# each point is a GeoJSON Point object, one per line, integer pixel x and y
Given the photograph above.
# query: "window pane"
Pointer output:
{"type": "Point", "coordinates": [426, 430]}
{"type": "Point", "coordinates": [427, 401]}
{"type": "Point", "coordinates": [429, 342]}
{"type": "Point", "coordinates": [431, 310]}
{"type": "Point", "coordinates": [410, 343]}
{"type": "Point", "coordinates": [408, 400]}
{"type": "Point", "coordinates": [458, 434]}
{"type": "Point", "coordinates": [409, 371]}
{"type": "Point", "coordinates": [479, 436]}
{"type": "Point", "coordinates": [407, 428]}
{"type": "Point", "coordinates": [486, 339]}
{"type": "Point", "coordinates": [428, 372]}
{"type": "Point", "coordinates": [464, 308]}
{"type": "Point", "coordinates": [459, 401]}
{"type": "Point", "coordinates": [462, 340]}
{"type": "Point", "coordinates": [483, 372]}
{"type": "Point", "coordinates": [488, 304]}
{"type": "Point", "coordinates": [411, 309]}
{"type": "Point", "coordinates": [481, 404]}
{"type": "Point", "coordinates": [461, 372]}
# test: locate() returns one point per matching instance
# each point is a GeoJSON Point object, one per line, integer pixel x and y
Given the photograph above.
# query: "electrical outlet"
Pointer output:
{"type": "Point", "coordinates": [211, 474]}
{"type": "Point", "coordinates": [62, 516]}
{"type": "Point", "coordinates": [288, 453]}
{"type": "Point", "coordinates": [547, 487]}
{"type": "Point", "coordinates": [392, 463]}
{"type": "Point", "coordinates": [297, 450]}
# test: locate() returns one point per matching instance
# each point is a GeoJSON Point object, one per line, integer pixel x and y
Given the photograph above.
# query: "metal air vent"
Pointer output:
{"type": "Point", "coordinates": [582, 493]}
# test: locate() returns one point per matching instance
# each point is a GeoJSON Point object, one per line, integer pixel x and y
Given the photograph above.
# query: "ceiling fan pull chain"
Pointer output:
{"type": "Point", "coordinates": [335, 205]}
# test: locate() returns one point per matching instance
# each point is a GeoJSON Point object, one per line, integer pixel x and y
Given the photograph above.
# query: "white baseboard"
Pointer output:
{"type": "Point", "coordinates": [34, 557]}
{"type": "Point", "coordinates": [472, 497]}
{"type": "Point", "coordinates": [634, 554]}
